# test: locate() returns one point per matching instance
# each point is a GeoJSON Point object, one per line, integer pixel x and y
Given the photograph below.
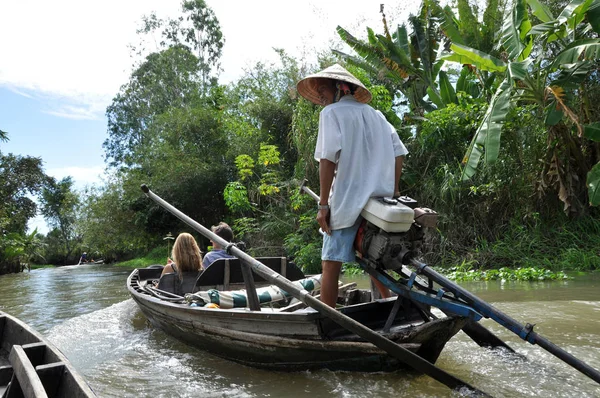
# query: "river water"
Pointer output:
{"type": "Point", "coordinates": [87, 313]}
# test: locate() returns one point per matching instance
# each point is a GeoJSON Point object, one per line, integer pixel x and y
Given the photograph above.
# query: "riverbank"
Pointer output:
{"type": "Point", "coordinates": [158, 255]}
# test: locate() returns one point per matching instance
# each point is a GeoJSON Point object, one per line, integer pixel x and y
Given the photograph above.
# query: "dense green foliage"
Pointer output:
{"type": "Point", "coordinates": [21, 178]}
{"type": "Point", "coordinates": [505, 274]}
{"type": "Point", "coordinates": [515, 84]}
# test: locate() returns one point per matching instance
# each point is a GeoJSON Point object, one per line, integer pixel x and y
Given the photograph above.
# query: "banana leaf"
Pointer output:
{"type": "Point", "coordinates": [572, 75]}
{"type": "Point", "coordinates": [465, 84]}
{"type": "Point", "coordinates": [488, 134]}
{"type": "Point", "coordinates": [593, 183]}
{"type": "Point", "coordinates": [450, 26]}
{"type": "Point", "coordinates": [575, 10]}
{"type": "Point", "coordinates": [423, 49]}
{"type": "Point", "coordinates": [446, 90]}
{"type": "Point", "coordinates": [553, 114]}
{"type": "Point", "coordinates": [519, 70]}
{"type": "Point", "coordinates": [515, 30]}
{"type": "Point", "coordinates": [358, 62]}
{"type": "Point", "coordinates": [540, 10]}
{"type": "Point", "coordinates": [577, 51]}
{"type": "Point", "coordinates": [593, 16]}
{"type": "Point", "coordinates": [467, 55]}
{"type": "Point", "coordinates": [592, 131]}
{"type": "Point", "coordinates": [397, 54]}
{"type": "Point", "coordinates": [402, 39]}
{"type": "Point", "coordinates": [543, 28]}
{"type": "Point", "coordinates": [435, 98]}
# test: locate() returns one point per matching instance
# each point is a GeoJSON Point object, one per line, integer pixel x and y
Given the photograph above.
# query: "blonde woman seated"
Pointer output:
{"type": "Point", "coordinates": [186, 256]}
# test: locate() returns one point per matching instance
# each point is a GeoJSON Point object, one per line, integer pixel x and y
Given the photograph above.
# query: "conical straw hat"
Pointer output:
{"type": "Point", "coordinates": [308, 86]}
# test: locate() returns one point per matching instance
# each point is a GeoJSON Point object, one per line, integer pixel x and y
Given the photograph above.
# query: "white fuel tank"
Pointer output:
{"type": "Point", "coordinates": [388, 214]}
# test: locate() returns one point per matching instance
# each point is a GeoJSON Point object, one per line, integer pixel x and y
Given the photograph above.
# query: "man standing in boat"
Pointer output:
{"type": "Point", "coordinates": [360, 156]}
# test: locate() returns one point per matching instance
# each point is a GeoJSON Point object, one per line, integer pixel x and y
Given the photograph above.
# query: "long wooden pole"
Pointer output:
{"type": "Point", "coordinates": [393, 349]}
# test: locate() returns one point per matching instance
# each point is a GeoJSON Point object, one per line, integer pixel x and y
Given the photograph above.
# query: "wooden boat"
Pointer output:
{"type": "Point", "coordinates": [287, 337]}
{"type": "Point", "coordinates": [32, 367]}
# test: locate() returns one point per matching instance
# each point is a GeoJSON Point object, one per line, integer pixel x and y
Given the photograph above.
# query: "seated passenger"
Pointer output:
{"type": "Point", "coordinates": [224, 231]}
{"type": "Point", "coordinates": [186, 256]}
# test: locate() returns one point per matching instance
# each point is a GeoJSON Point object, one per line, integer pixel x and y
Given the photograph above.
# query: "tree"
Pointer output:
{"type": "Point", "coordinates": [551, 83]}
{"type": "Point", "coordinates": [21, 178]}
{"type": "Point", "coordinates": [108, 224]}
{"type": "Point", "coordinates": [405, 64]}
{"type": "Point", "coordinates": [260, 108]}
{"type": "Point", "coordinates": [59, 207]}
{"type": "Point", "coordinates": [198, 29]}
{"type": "Point", "coordinates": [165, 80]}
{"type": "Point", "coordinates": [24, 248]}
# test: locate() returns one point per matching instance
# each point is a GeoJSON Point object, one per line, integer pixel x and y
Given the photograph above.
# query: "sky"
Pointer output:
{"type": "Point", "coordinates": [62, 62]}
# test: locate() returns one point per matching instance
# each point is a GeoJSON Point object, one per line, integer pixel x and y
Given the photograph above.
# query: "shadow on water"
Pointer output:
{"type": "Point", "coordinates": [86, 311]}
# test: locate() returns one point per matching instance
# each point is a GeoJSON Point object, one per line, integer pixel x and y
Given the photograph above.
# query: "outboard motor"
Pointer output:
{"type": "Point", "coordinates": [392, 231]}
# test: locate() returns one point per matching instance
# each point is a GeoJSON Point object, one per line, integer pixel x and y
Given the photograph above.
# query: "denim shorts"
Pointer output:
{"type": "Point", "coordinates": [339, 246]}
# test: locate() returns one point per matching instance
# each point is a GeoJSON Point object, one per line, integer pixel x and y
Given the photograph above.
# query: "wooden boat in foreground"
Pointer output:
{"type": "Point", "coordinates": [32, 367]}
{"type": "Point", "coordinates": [290, 337]}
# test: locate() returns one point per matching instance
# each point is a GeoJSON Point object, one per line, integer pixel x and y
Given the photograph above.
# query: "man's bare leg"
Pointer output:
{"type": "Point", "coordinates": [384, 291]}
{"type": "Point", "coordinates": [329, 282]}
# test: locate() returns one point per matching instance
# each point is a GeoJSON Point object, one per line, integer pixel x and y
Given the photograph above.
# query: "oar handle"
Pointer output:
{"type": "Point", "coordinates": [305, 189]}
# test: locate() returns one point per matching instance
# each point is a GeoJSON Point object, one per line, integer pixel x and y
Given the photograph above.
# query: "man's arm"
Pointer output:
{"type": "Point", "coordinates": [398, 174]}
{"type": "Point", "coordinates": [326, 173]}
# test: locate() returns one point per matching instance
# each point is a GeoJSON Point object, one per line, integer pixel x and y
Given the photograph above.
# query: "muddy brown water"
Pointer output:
{"type": "Point", "coordinates": [87, 313]}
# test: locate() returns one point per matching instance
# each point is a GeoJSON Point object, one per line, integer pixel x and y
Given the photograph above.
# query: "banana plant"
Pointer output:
{"type": "Point", "coordinates": [408, 63]}
{"type": "Point", "coordinates": [540, 80]}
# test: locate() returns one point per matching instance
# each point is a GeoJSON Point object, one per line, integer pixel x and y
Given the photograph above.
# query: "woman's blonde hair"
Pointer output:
{"type": "Point", "coordinates": [186, 254]}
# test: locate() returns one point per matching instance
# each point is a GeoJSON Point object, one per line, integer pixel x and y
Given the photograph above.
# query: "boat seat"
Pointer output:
{"type": "Point", "coordinates": [224, 272]}
{"type": "Point", "coordinates": [171, 283]}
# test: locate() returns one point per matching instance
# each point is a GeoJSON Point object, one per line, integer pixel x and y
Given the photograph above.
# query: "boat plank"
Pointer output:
{"type": "Point", "coordinates": [30, 366]}
{"type": "Point", "coordinates": [50, 375]}
{"type": "Point", "coordinates": [6, 373]}
{"type": "Point", "coordinates": [25, 373]}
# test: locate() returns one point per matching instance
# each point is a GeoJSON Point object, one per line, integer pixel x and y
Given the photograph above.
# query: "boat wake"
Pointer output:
{"type": "Point", "coordinates": [91, 339]}
{"type": "Point", "coordinates": [117, 342]}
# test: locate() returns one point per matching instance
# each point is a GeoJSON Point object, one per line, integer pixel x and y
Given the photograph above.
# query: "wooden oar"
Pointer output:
{"type": "Point", "coordinates": [393, 349]}
{"type": "Point", "coordinates": [477, 332]}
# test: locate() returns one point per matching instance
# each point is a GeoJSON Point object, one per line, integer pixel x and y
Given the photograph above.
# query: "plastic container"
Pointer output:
{"type": "Point", "coordinates": [388, 214]}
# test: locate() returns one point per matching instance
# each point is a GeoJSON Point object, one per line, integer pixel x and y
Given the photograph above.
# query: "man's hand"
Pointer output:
{"type": "Point", "coordinates": [323, 220]}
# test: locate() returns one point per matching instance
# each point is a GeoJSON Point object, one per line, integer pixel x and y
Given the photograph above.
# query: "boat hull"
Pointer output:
{"type": "Point", "coordinates": [31, 366]}
{"type": "Point", "coordinates": [293, 341]}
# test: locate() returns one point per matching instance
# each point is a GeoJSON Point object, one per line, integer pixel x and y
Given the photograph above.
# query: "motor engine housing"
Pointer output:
{"type": "Point", "coordinates": [386, 237]}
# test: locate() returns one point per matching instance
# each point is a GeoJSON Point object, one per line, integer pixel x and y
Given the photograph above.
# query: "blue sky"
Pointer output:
{"type": "Point", "coordinates": [62, 62]}
{"type": "Point", "coordinates": [67, 145]}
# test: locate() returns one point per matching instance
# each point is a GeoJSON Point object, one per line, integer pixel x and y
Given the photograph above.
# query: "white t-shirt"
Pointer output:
{"type": "Point", "coordinates": [365, 146]}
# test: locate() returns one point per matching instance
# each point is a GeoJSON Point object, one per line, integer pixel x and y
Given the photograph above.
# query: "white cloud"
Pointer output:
{"type": "Point", "coordinates": [74, 112]}
{"type": "Point", "coordinates": [79, 49]}
{"type": "Point", "coordinates": [71, 48]}
{"type": "Point", "coordinates": [82, 176]}
{"type": "Point", "coordinates": [19, 92]}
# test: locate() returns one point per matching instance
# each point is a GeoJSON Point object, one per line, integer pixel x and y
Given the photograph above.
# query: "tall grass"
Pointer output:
{"type": "Point", "coordinates": [155, 256]}
{"type": "Point", "coordinates": [557, 245]}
